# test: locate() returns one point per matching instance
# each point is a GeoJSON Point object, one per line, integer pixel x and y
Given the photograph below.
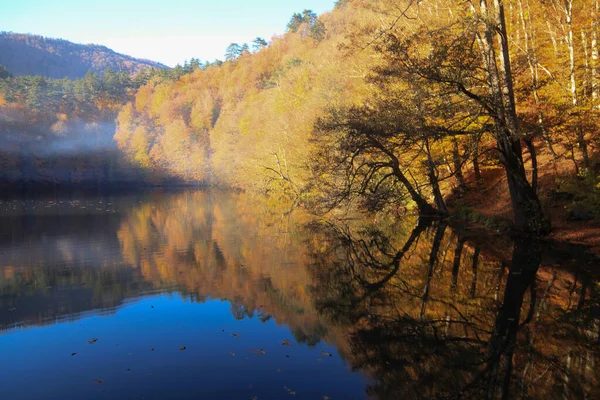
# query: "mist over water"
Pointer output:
{"type": "Point", "coordinates": [80, 138]}
{"type": "Point", "coordinates": [77, 152]}
{"type": "Point", "coordinates": [73, 139]}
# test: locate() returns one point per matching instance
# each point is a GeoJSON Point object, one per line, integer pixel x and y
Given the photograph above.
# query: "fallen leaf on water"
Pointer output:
{"type": "Point", "coordinates": [290, 391]}
{"type": "Point", "coordinates": [259, 351]}
{"type": "Point", "coordinates": [92, 340]}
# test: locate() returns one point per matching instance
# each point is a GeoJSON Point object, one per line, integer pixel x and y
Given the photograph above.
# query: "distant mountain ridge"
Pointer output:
{"type": "Point", "coordinates": [27, 54]}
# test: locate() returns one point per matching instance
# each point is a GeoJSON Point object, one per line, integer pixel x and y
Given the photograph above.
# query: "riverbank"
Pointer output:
{"type": "Point", "coordinates": [486, 203]}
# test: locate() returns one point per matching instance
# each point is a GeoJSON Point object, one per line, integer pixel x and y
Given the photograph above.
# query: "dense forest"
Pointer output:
{"type": "Point", "coordinates": [25, 54]}
{"type": "Point", "coordinates": [381, 105]}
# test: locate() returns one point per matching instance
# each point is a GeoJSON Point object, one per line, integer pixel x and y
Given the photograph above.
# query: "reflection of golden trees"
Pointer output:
{"type": "Point", "coordinates": [423, 310]}
{"type": "Point", "coordinates": [222, 245]}
{"type": "Point", "coordinates": [443, 318]}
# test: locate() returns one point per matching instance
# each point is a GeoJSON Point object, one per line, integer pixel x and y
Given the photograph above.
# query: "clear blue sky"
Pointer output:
{"type": "Point", "coordinates": [168, 31]}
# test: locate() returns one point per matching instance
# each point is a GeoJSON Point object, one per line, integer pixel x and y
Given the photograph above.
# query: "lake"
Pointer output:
{"type": "Point", "coordinates": [213, 294]}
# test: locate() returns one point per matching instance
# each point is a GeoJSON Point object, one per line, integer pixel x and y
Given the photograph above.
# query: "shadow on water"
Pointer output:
{"type": "Point", "coordinates": [422, 309]}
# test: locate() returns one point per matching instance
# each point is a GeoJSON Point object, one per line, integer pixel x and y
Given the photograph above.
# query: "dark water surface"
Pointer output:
{"type": "Point", "coordinates": [212, 295]}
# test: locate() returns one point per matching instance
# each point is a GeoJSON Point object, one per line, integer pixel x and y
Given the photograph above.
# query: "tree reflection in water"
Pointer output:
{"type": "Point", "coordinates": [424, 309]}
{"type": "Point", "coordinates": [428, 324]}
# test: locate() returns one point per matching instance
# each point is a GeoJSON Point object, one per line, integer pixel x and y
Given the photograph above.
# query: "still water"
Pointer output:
{"type": "Point", "coordinates": [210, 294]}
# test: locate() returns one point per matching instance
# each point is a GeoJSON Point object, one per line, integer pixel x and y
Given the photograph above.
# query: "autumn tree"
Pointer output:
{"type": "Point", "coordinates": [453, 52]}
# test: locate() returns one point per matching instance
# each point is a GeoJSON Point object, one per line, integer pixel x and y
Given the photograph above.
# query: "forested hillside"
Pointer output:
{"type": "Point", "coordinates": [385, 105]}
{"type": "Point", "coordinates": [248, 122]}
{"type": "Point", "coordinates": [26, 54]}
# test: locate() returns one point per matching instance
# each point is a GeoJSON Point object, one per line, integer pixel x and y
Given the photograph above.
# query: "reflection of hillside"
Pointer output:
{"type": "Point", "coordinates": [222, 245]}
{"type": "Point", "coordinates": [61, 258]}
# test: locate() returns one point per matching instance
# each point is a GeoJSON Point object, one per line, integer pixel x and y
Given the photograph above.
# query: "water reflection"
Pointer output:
{"type": "Point", "coordinates": [432, 315]}
{"type": "Point", "coordinates": [421, 308]}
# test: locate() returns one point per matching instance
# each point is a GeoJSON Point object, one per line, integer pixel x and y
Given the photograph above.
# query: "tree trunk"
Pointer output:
{"type": "Point", "coordinates": [433, 259]}
{"type": "Point", "coordinates": [594, 48]}
{"type": "Point", "coordinates": [456, 262]}
{"type": "Point", "coordinates": [424, 207]}
{"type": "Point", "coordinates": [457, 163]}
{"type": "Point", "coordinates": [534, 165]}
{"type": "Point", "coordinates": [526, 259]}
{"type": "Point", "coordinates": [433, 181]}
{"type": "Point", "coordinates": [474, 271]}
{"type": "Point", "coordinates": [532, 62]}
{"type": "Point", "coordinates": [586, 64]}
{"type": "Point", "coordinates": [476, 169]}
{"type": "Point", "coordinates": [527, 209]}
{"type": "Point", "coordinates": [581, 143]}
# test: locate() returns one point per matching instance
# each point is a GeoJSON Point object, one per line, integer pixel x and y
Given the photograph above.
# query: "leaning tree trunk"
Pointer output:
{"type": "Point", "coordinates": [424, 207]}
{"type": "Point", "coordinates": [434, 182]}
